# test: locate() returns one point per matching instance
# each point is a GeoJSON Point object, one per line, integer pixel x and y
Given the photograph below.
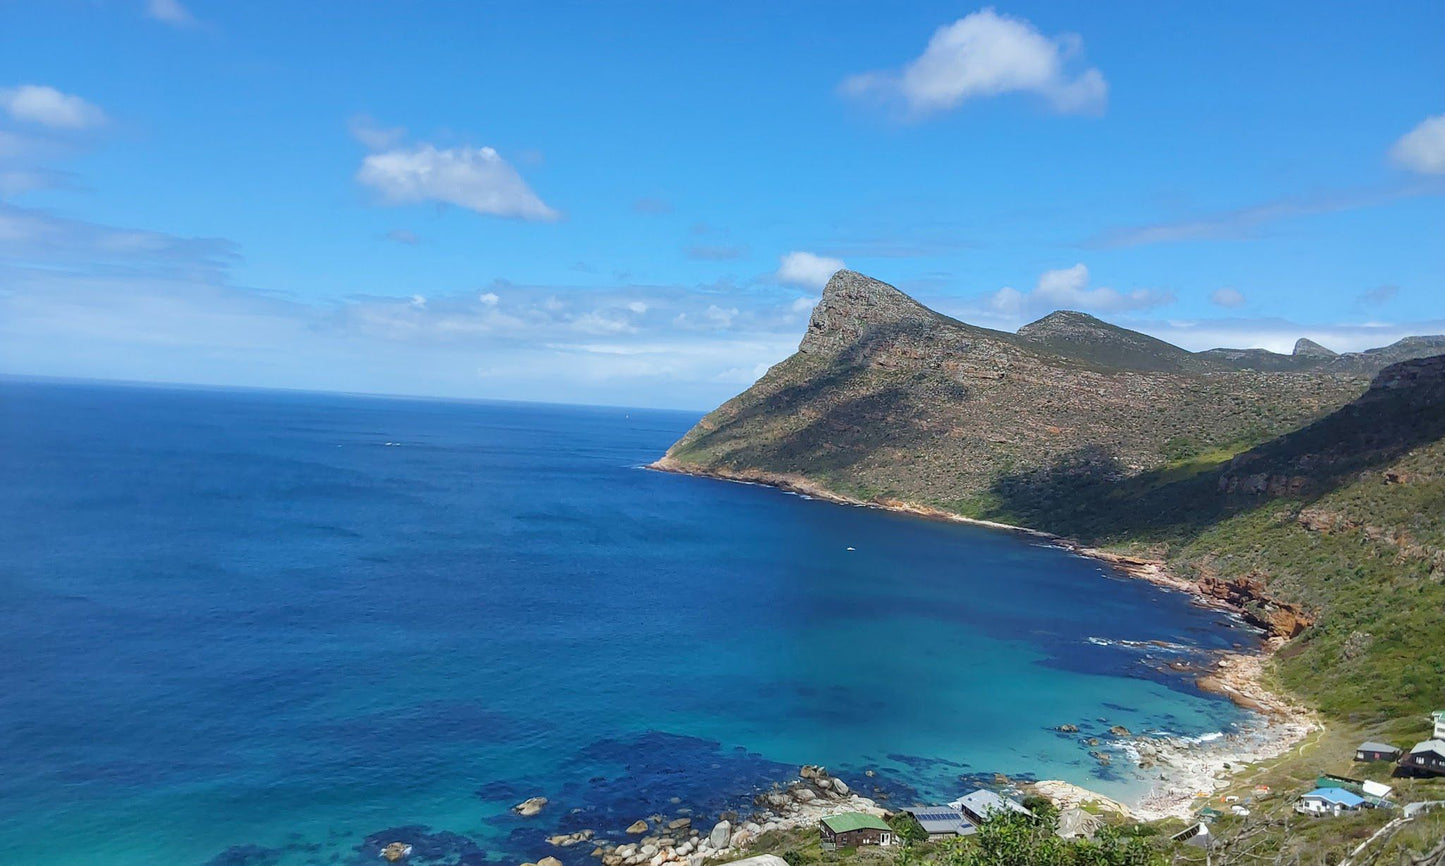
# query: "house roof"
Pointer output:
{"type": "Point", "coordinates": [1336, 795]}
{"type": "Point", "coordinates": [849, 821]}
{"type": "Point", "coordinates": [982, 802]}
{"type": "Point", "coordinates": [1436, 746]}
{"type": "Point", "coordinates": [940, 819]}
{"type": "Point", "coordinates": [1076, 822]}
{"type": "Point", "coordinates": [1372, 746]}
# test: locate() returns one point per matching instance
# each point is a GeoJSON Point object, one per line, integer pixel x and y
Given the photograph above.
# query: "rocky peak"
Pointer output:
{"type": "Point", "coordinates": [1070, 322]}
{"type": "Point", "coordinates": [1080, 335]}
{"type": "Point", "coordinates": [1304, 347]}
{"type": "Point", "coordinates": [854, 304]}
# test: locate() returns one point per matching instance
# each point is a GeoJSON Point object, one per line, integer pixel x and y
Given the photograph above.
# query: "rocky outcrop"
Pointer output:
{"type": "Point", "coordinates": [799, 804]}
{"type": "Point", "coordinates": [529, 807]}
{"type": "Point", "coordinates": [1304, 347]}
{"type": "Point", "coordinates": [1248, 594]}
{"type": "Point", "coordinates": [854, 306]}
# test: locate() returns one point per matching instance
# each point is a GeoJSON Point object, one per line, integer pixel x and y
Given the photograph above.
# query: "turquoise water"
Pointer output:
{"type": "Point", "coordinates": [265, 628]}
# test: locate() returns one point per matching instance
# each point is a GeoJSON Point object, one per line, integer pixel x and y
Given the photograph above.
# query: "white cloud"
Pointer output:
{"type": "Point", "coordinates": [474, 178]}
{"type": "Point", "coordinates": [987, 54]}
{"type": "Point", "coordinates": [170, 11]}
{"type": "Point", "coordinates": [1227, 297]}
{"type": "Point", "coordinates": [638, 307]}
{"type": "Point", "coordinates": [806, 270]}
{"type": "Point", "coordinates": [1067, 288]}
{"type": "Point", "coordinates": [1422, 149]}
{"type": "Point", "coordinates": [46, 106]}
{"type": "Point", "coordinates": [490, 299]}
{"type": "Point", "coordinates": [803, 304]}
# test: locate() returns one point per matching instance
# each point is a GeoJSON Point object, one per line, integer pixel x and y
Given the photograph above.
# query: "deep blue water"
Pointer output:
{"type": "Point", "coordinates": [267, 628]}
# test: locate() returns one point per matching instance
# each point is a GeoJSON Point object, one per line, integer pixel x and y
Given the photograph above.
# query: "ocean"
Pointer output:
{"type": "Point", "coordinates": [263, 629]}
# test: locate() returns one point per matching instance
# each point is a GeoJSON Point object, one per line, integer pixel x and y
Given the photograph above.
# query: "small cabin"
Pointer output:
{"type": "Point", "coordinates": [1373, 751]}
{"type": "Point", "coordinates": [852, 829]}
{"type": "Point", "coordinates": [1329, 801]}
{"type": "Point", "coordinates": [978, 806]}
{"type": "Point", "coordinates": [1437, 718]}
{"type": "Point", "coordinates": [1426, 759]}
{"type": "Point", "coordinates": [940, 822]}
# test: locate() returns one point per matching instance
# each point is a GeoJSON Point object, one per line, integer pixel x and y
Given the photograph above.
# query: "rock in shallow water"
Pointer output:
{"type": "Point", "coordinates": [529, 807]}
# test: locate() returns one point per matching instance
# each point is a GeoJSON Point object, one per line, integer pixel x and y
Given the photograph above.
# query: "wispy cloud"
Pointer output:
{"type": "Point", "coordinates": [83, 299]}
{"type": "Point", "coordinates": [1422, 149]}
{"type": "Point", "coordinates": [45, 106]}
{"type": "Point", "coordinates": [1246, 223]}
{"type": "Point", "coordinates": [715, 252]}
{"type": "Point", "coordinates": [1227, 297]}
{"type": "Point", "coordinates": [172, 12]}
{"type": "Point", "coordinates": [982, 55]}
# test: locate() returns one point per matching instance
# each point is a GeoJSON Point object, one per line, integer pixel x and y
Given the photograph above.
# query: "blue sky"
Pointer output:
{"type": "Point", "coordinates": [637, 203]}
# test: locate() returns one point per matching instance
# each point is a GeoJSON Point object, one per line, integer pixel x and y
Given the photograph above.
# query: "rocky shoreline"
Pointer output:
{"type": "Point", "coordinates": [659, 839]}
{"type": "Point", "coordinates": [1189, 770]}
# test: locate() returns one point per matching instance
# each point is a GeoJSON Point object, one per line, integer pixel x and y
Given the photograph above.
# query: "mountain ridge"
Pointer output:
{"type": "Point", "coordinates": [1284, 482]}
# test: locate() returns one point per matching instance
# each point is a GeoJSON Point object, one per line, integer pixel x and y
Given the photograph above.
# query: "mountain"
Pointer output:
{"type": "Point", "coordinates": [1309, 487]}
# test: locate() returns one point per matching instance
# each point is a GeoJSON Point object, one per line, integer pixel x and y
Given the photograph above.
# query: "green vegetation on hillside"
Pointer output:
{"type": "Point", "coordinates": [1259, 474]}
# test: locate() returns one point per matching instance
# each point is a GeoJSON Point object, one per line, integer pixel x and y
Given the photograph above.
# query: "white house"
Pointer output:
{"type": "Point", "coordinates": [1329, 801]}
{"type": "Point", "coordinates": [1438, 717]}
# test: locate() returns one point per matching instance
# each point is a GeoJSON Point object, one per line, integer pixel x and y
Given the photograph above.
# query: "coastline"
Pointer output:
{"type": "Point", "coordinates": [1190, 770]}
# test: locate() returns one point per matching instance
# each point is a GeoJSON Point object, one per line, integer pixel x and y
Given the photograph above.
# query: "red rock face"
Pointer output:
{"type": "Point", "coordinates": [1248, 594]}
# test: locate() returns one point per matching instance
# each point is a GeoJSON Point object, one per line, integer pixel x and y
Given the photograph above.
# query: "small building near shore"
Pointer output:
{"type": "Point", "coordinates": [1426, 759]}
{"type": "Point", "coordinates": [978, 806]}
{"type": "Point", "coordinates": [1371, 750]}
{"type": "Point", "coordinates": [940, 822]}
{"type": "Point", "coordinates": [851, 829]}
{"type": "Point", "coordinates": [1329, 801]}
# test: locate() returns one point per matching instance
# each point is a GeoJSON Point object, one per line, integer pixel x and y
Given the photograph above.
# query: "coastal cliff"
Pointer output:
{"type": "Point", "coordinates": [1294, 488]}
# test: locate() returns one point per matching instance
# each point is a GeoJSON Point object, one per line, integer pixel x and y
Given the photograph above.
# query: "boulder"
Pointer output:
{"type": "Point", "coordinates": [395, 851]}
{"type": "Point", "coordinates": [637, 828]}
{"type": "Point", "coordinates": [549, 861]}
{"type": "Point", "coordinates": [721, 834]}
{"type": "Point", "coordinates": [529, 807]}
{"type": "Point", "coordinates": [1068, 729]}
{"type": "Point", "coordinates": [804, 795]}
{"type": "Point", "coordinates": [840, 787]}
{"type": "Point", "coordinates": [679, 823]}
{"type": "Point", "coordinates": [1119, 731]}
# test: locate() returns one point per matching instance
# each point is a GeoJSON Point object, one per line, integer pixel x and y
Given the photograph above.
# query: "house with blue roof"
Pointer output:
{"type": "Point", "coordinates": [1329, 801]}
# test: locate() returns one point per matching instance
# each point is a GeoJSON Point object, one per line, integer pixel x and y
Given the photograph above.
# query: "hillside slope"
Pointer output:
{"type": "Point", "coordinates": [1288, 476]}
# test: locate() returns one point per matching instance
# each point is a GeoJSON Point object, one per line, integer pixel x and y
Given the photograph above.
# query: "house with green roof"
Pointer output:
{"type": "Point", "coordinates": [851, 829]}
